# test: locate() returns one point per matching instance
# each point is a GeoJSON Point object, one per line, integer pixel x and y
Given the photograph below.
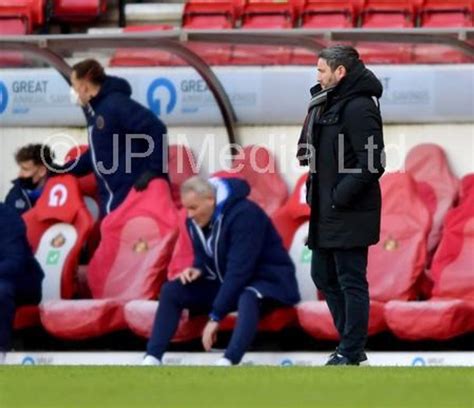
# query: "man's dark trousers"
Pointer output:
{"type": "Point", "coordinates": [341, 275]}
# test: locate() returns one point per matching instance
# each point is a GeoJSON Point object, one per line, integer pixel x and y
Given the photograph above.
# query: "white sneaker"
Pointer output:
{"type": "Point", "coordinates": [3, 357]}
{"type": "Point", "coordinates": [151, 361]}
{"type": "Point", "coordinates": [223, 362]}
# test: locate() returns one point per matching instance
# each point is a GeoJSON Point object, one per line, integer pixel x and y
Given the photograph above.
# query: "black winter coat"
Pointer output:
{"type": "Point", "coordinates": [345, 193]}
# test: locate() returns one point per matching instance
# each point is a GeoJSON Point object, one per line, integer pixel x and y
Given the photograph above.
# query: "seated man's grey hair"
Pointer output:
{"type": "Point", "coordinates": [198, 185]}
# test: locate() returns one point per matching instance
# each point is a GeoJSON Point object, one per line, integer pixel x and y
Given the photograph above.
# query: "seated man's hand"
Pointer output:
{"type": "Point", "coordinates": [209, 334]}
{"type": "Point", "coordinates": [189, 275]}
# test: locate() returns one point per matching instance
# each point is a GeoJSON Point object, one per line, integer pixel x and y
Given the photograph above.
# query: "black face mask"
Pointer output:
{"type": "Point", "coordinates": [27, 183]}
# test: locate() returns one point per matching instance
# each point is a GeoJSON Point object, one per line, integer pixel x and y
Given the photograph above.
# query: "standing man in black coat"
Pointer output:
{"type": "Point", "coordinates": [342, 142]}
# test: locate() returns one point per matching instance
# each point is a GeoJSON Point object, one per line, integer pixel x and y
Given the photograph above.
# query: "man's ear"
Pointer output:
{"type": "Point", "coordinates": [341, 72]}
{"type": "Point", "coordinates": [43, 171]}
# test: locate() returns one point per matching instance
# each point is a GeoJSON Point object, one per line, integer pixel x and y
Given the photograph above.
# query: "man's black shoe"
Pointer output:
{"type": "Point", "coordinates": [338, 359]}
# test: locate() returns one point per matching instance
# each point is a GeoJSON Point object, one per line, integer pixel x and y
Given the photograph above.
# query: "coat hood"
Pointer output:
{"type": "Point", "coordinates": [360, 81]}
{"type": "Point", "coordinates": [112, 85]}
{"type": "Point", "coordinates": [228, 192]}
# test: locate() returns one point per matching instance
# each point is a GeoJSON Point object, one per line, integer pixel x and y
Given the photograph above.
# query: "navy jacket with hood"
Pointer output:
{"type": "Point", "coordinates": [112, 116]}
{"type": "Point", "coordinates": [17, 263]}
{"type": "Point", "coordinates": [19, 199]}
{"type": "Point", "coordinates": [243, 251]}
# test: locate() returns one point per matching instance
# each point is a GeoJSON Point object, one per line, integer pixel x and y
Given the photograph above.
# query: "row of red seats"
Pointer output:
{"type": "Point", "coordinates": [123, 295]}
{"type": "Point", "coordinates": [257, 14]}
{"type": "Point", "coordinates": [19, 17]}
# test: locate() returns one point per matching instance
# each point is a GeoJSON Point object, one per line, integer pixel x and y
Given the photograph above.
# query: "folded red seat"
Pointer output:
{"type": "Point", "coordinates": [394, 264]}
{"type": "Point", "coordinates": [56, 228]}
{"type": "Point", "coordinates": [80, 11]}
{"type": "Point", "coordinates": [258, 167]}
{"type": "Point", "coordinates": [427, 164]}
{"type": "Point", "coordinates": [137, 240]}
{"type": "Point", "coordinates": [450, 312]}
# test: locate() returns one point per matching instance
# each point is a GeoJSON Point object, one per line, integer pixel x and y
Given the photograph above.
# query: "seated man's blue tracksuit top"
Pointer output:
{"type": "Point", "coordinates": [243, 264]}
{"type": "Point", "coordinates": [20, 274]}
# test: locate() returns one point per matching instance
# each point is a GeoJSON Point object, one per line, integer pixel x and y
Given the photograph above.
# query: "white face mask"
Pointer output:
{"type": "Point", "coordinates": [74, 97]}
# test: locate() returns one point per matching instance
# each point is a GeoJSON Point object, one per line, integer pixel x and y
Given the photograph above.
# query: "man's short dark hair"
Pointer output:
{"type": "Point", "coordinates": [337, 55]}
{"type": "Point", "coordinates": [91, 70]}
{"type": "Point", "coordinates": [39, 154]}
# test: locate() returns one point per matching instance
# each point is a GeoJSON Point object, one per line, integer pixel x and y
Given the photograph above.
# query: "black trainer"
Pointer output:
{"type": "Point", "coordinates": [339, 359]}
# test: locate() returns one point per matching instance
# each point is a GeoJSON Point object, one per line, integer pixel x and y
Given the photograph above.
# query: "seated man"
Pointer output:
{"type": "Point", "coordinates": [20, 273]}
{"type": "Point", "coordinates": [33, 160]}
{"type": "Point", "coordinates": [240, 264]}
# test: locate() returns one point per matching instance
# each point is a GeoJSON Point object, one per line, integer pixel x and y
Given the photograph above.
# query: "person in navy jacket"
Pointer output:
{"type": "Point", "coordinates": [33, 160]}
{"type": "Point", "coordinates": [20, 273]}
{"type": "Point", "coordinates": [240, 264]}
{"type": "Point", "coordinates": [127, 142]}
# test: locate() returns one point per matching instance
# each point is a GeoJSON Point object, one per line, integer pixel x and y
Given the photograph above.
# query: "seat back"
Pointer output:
{"type": "Point", "coordinates": [57, 227]}
{"type": "Point", "coordinates": [328, 14]}
{"type": "Point", "coordinates": [446, 13]}
{"type": "Point", "coordinates": [453, 263]}
{"type": "Point", "coordinates": [294, 213]}
{"type": "Point", "coordinates": [209, 15]}
{"type": "Point", "coordinates": [397, 261]}
{"type": "Point", "coordinates": [267, 14]}
{"type": "Point", "coordinates": [181, 166]}
{"type": "Point", "coordinates": [142, 57]}
{"type": "Point", "coordinates": [466, 189]}
{"type": "Point", "coordinates": [258, 167]}
{"type": "Point", "coordinates": [388, 14]}
{"type": "Point", "coordinates": [78, 10]}
{"type": "Point", "coordinates": [137, 241]}
{"type": "Point", "coordinates": [427, 163]}
{"type": "Point", "coordinates": [292, 223]}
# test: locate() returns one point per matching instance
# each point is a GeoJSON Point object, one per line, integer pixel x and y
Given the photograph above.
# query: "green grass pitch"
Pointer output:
{"type": "Point", "coordinates": [273, 387]}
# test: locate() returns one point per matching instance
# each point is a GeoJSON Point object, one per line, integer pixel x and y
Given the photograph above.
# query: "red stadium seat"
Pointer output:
{"type": "Point", "coordinates": [181, 166]}
{"type": "Point", "coordinates": [446, 13]}
{"type": "Point", "coordinates": [258, 167]}
{"type": "Point", "coordinates": [130, 263]}
{"type": "Point", "coordinates": [387, 14]}
{"type": "Point", "coordinates": [260, 14]}
{"type": "Point", "coordinates": [13, 26]}
{"type": "Point", "coordinates": [78, 10]}
{"type": "Point", "coordinates": [466, 188]}
{"type": "Point", "coordinates": [450, 312]}
{"type": "Point", "coordinates": [427, 163]}
{"type": "Point", "coordinates": [209, 15]}
{"type": "Point", "coordinates": [394, 264]}
{"type": "Point", "coordinates": [183, 253]}
{"type": "Point", "coordinates": [328, 14]}
{"type": "Point", "coordinates": [292, 222]}
{"type": "Point", "coordinates": [443, 14]}
{"type": "Point", "coordinates": [140, 315]}
{"type": "Point", "coordinates": [56, 228]}
{"type": "Point", "coordinates": [142, 57]}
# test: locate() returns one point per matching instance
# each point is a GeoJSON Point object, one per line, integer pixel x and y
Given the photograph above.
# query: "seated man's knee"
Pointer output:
{"type": "Point", "coordinates": [248, 297]}
{"type": "Point", "coordinates": [171, 290]}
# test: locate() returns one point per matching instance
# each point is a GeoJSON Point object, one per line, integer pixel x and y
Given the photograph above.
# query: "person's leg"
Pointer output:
{"type": "Point", "coordinates": [175, 297]}
{"type": "Point", "coordinates": [246, 326]}
{"type": "Point", "coordinates": [7, 314]}
{"type": "Point", "coordinates": [351, 265]}
{"type": "Point", "coordinates": [324, 275]}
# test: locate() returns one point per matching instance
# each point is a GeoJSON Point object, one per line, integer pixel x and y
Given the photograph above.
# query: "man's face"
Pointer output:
{"type": "Point", "coordinates": [199, 208]}
{"type": "Point", "coordinates": [328, 78]}
{"type": "Point", "coordinates": [28, 169]}
{"type": "Point", "coordinates": [81, 87]}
